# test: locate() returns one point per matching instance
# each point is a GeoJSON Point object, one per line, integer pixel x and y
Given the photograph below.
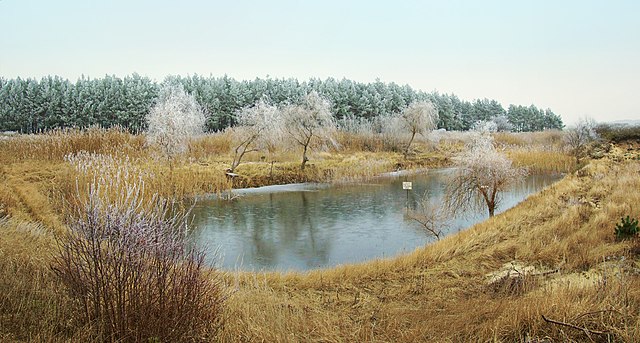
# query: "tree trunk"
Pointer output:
{"type": "Point", "coordinates": [236, 161]}
{"type": "Point", "coordinates": [304, 152]}
{"type": "Point", "coordinates": [406, 151]}
{"type": "Point", "coordinates": [492, 203]}
{"type": "Point", "coordinates": [492, 209]}
{"type": "Point", "coordinates": [304, 157]}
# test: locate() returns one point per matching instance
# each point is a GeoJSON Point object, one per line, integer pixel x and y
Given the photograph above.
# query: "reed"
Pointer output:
{"type": "Point", "coordinates": [541, 161]}
{"type": "Point", "coordinates": [547, 140]}
{"type": "Point", "coordinates": [56, 144]}
{"type": "Point", "coordinates": [33, 306]}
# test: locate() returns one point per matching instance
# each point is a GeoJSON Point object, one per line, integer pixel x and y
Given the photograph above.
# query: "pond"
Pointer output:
{"type": "Point", "coordinates": [308, 226]}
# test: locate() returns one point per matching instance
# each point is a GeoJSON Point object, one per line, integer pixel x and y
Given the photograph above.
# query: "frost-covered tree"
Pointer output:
{"type": "Point", "coordinates": [482, 174]}
{"type": "Point", "coordinates": [485, 126]}
{"type": "Point", "coordinates": [580, 136]}
{"type": "Point", "coordinates": [417, 118]}
{"type": "Point", "coordinates": [256, 130]}
{"type": "Point", "coordinates": [392, 131]}
{"type": "Point", "coordinates": [312, 119]}
{"type": "Point", "coordinates": [175, 118]}
{"type": "Point", "coordinates": [502, 123]}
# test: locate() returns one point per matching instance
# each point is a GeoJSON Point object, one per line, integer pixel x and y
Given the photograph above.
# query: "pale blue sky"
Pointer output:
{"type": "Point", "coordinates": [580, 58]}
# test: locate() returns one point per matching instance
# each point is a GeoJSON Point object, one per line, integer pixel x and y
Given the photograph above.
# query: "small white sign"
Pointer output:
{"type": "Point", "coordinates": [407, 185]}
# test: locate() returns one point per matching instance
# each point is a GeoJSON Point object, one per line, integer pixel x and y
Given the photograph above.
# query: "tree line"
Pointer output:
{"type": "Point", "coordinates": [31, 105]}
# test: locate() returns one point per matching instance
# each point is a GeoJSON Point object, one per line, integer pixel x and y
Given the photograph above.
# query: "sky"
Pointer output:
{"type": "Point", "coordinates": [578, 58]}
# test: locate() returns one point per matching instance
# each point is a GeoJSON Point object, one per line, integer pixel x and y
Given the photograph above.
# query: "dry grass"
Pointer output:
{"type": "Point", "coordinates": [32, 304]}
{"type": "Point", "coordinates": [546, 140]}
{"type": "Point", "coordinates": [209, 146]}
{"type": "Point", "coordinates": [537, 161]}
{"type": "Point", "coordinates": [360, 142]}
{"type": "Point", "coordinates": [54, 145]}
{"type": "Point", "coordinates": [438, 293]}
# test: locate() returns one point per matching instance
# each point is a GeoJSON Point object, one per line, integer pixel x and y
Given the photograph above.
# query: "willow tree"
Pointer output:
{"type": "Point", "coordinates": [482, 174]}
{"type": "Point", "coordinates": [417, 118]}
{"type": "Point", "coordinates": [257, 128]}
{"type": "Point", "coordinates": [308, 121]}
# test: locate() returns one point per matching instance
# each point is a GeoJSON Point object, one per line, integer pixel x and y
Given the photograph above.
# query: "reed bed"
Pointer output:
{"type": "Point", "coordinates": [540, 161]}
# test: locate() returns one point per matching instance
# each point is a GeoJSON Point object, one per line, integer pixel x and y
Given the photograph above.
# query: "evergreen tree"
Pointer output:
{"type": "Point", "coordinates": [28, 105]}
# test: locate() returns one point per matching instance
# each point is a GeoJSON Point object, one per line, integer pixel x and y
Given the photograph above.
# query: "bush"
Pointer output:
{"type": "Point", "coordinates": [126, 264]}
{"type": "Point", "coordinates": [619, 132]}
{"type": "Point", "coordinates": [627, 228]}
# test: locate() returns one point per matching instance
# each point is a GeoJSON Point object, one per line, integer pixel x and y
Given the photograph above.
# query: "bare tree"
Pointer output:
{"type": "Point", "coordinates": [174, 119]}
{"type": "Point", "coordinates": [257, 129]}
{"type": "Point", "coordinates": [579, 137]}
{"type": "Point", "coordinates": [417, 118]}
{"type": "Point", "coordinates": [482, 174]}
{"type": "Point", "coordinates": [308, 121]}
{"type": "Point", "coordinates": [431, 215]}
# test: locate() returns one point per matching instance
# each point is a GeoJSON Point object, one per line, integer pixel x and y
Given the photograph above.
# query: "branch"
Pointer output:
{"type": "Point", "coordinates": [583, 329]}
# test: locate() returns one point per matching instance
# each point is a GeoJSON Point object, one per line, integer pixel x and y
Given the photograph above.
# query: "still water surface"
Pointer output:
{"type": "Point", "coordinates": [307, 226]}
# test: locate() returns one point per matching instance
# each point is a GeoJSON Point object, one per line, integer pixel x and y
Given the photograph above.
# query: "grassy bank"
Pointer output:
{"type": "Point", "coordinates": [558, 246]}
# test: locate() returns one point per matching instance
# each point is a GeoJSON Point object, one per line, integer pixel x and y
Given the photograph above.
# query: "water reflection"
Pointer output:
{"type": "Point", "coordinates": [311, 226]}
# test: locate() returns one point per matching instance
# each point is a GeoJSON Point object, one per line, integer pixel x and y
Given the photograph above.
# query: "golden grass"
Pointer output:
{"type": "Point", "coordinates": [537, 161]}
{"type": "Point", "coordinates": [551, 139]}
{"type": "Point", "coordinates": [210, 145]}
{"type": "Point", "coordinates": [55, 144]}
{"type": "Point", "coordinates": [438, 293]}
{"type": "Point", "coordinates": [33, 306]}
{"type": "Point", "coordinates": [360, 142]}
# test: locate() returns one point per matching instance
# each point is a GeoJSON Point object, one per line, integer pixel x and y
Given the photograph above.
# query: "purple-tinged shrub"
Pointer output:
{"type": "Point", "coordinates": [127, 265]}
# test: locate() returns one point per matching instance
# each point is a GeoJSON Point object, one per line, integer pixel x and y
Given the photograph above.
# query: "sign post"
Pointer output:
{"type": "Point", "coordinates": [407, 186]}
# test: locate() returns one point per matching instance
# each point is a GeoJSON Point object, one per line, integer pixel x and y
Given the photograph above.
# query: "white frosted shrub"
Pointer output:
{"type": "Point", "coordinates": [175, 118]}
{"type": "Point", "coordinates": [481, 176]}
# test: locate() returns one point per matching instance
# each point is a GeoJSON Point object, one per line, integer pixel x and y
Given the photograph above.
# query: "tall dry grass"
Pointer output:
{"type": "Point", "coordinates": [33, 305]}
{"type": "Point", "coordinates": [581, 276]}
{"type": "Point", "coordinates": [545, 140]}
{"type": "Point", "coordinates": [540, 161]}
{"type": "Point", "coordinates": [437, 293]}
{"type": "Point", "coordinates": [56, 144]}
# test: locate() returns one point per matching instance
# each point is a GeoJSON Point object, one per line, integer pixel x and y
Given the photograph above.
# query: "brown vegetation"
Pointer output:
{"type": "Point", "coordinates": [565, 263]}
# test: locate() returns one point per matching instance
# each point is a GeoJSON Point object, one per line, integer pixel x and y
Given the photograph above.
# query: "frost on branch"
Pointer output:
{"type": "Point", "coordinates": [482, 175]}
{"type": "Point", "coordinates": [174, 119]}
{"type": "Point", "coordinates": [128, 265]}
{"type": "Point", "coordinates": [258, 129]}
{"type": "Point", "coordinates": [580, 136]}
{"type": "Point", "coordinates": [308, 121]}
{"type": "Point", "coordinates": [417, 118]}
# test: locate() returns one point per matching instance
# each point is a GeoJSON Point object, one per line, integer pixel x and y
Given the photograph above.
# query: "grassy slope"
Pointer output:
{"type": "Point", "coordinates": [438, 293]}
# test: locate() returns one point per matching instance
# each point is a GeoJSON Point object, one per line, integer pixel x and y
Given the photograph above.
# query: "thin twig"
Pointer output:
{"type": "Point", "coordinates": [583, 329]}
